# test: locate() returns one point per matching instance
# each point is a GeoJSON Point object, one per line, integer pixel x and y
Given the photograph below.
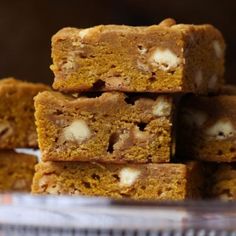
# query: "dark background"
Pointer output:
{"type": "Point", "coordinates": [26, 27]}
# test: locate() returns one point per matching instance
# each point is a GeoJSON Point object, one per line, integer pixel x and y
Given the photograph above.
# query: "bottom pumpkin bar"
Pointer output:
{"type": "Point", "coordinates": [16, 171]}
{"type": "Point", "coordinates": [143, 181]}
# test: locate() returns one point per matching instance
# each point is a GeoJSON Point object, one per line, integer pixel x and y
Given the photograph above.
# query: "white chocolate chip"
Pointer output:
{"type": "Point", "coordinates": [83, 33]}
{"type": "Point", "coordinates": [194, 117]}
{"type": "Point", "coordinates": [75, 95]}
{"type": "Point", "coordinates": [165, 59]}
{"type": "Point", "coordinates": [218, 49]}
{"type": "Point", "coordinates": [212, 82]}
{"type": "Point", "coordinates": [221, 130]}
{"type": "Point", "coordinates": [69, 64]}
{"type": "Point", "coordinates": [77, 43]}
{"type": "Point", "coordinates": [198, 78]}
{"type": "Point", "coordinates": [162, 107]}
{"type": "Point", "coordinates": [78, 131]}
{"type": "Point", "coordinates": [128, 176]}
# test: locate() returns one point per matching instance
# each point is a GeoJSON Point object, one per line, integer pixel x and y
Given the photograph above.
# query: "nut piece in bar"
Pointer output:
{"type": "Point", "coordinates": [16, 171]}
{"type": "Point", "coordinates": [112, 127]}
{"type": "Point", "coordinates": [17, 123]}
{"type": "Point", "coordinates": [143, 181]}
{"type": "Point", "coordinates": [165, 58]}
{"type": "Point", "coordinates": [207, 128]}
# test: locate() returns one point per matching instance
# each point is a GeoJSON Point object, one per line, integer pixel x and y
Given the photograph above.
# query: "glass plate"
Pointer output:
{"type": "Point", "coordinates": [83, 213]}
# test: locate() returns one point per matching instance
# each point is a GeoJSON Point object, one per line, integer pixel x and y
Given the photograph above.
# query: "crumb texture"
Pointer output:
{"type": "Point", "coordinates": [112, 127]}
{"type": "Point", "coordinates": [144, 181]}
{"type": "Point", "coordinates": [158, 58]}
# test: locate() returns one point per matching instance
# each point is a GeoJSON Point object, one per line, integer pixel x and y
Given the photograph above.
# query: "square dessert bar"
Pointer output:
{"type": "Point", "coordinates": [112, 127]}
{"type": "Point", "coordinates": [165, 58]}
{"type": "Point", "coordinates": [222, 182]}
{"type": "Point", "coordinates": [143, 181]}
{"type": "Point", "coordinates": [17, 123]}
{"type": "Point", "coordinates": [207, 128]}
{"type": "Point", "coordinates": [16, 171]}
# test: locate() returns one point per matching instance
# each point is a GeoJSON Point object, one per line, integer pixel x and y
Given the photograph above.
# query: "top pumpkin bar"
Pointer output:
{"type": "Point", "coordinates": [162, 58]}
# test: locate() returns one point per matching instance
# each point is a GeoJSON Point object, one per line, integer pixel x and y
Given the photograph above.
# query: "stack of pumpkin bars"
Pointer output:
{"type": "Point", "coordinates": [111, 127]}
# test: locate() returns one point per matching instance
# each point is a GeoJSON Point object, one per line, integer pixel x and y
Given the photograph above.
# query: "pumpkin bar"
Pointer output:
{"type": "Point", "coordinates": [112, 127]}
{"type": "Point", "coordinates": [207, 128]}
{"type": "Point", "coordinates": [142, 181]}
{"type": "Point", "coordinates": [222, 182]}
{"type": "Point", "coordinates": [17, 124]}
{"type": "Point", "coordinates": [16, 171]}
{"type": "Point", "coordinates": [164, 58]}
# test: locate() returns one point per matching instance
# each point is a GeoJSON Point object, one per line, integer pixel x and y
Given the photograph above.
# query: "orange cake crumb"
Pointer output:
{"type": "Point", "coordinates": [164, 58]}
{"type": "Point", "coordinates": [143, 181]}
{"type": "Point", "coordinates": [112, 127]}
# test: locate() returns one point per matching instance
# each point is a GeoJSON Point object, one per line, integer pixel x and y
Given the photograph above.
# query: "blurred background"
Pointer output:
{"type": "Point", "coordinates": [26, 26]}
